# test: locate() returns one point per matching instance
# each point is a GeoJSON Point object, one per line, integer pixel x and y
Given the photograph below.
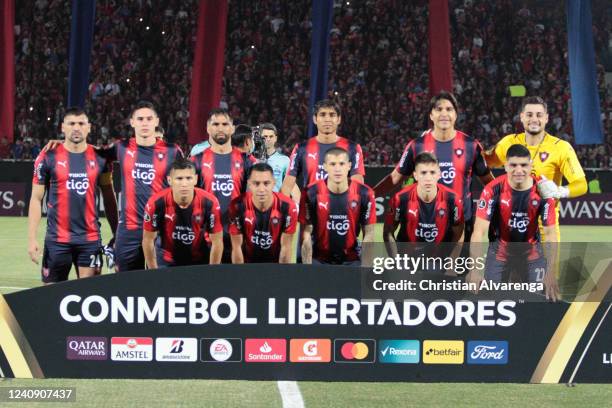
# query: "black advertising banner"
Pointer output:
{"type": "Point", "coordinates": [298, 322]}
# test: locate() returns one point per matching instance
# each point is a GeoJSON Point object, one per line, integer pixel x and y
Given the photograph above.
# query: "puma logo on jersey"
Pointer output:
{"type": "Point", "coordinates": [209, 165]}
{"type": "Point", "coordinates": [249, 220]}
{"type": "Point", "coordinates": [313, 156]}
{"type": "Point", "coordinates": [62, 163]}
{"type": "Point", "coordinates": [413, 212]}
{"type": "Point", "coordinates": [170, 217]}
{"type": "Point", "coordinates": [130, 152]}
{"type": "Point", "coordinates": [324, 205]}
{"type": "Point", "coordinates": [506, 203]}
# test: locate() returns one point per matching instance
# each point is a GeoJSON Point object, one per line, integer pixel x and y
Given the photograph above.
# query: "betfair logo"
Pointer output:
{"type": "Point", "coordinates": [443, 352]}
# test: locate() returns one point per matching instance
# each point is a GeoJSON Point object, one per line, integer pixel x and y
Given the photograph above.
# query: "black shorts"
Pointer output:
{"type": "Point", "coordinates": [128, 250]}
{"type": "Point", "coordinates": [515, 269]}
{"type": "Point", "coordinates": [58, 258]}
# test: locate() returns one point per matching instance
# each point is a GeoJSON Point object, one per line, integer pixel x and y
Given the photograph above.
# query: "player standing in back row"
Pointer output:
{"type": "Point", "coordinates": [458, 154]}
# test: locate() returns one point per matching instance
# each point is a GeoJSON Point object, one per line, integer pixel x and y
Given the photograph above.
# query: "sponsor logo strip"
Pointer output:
{"type": "Point", "coordinates": [86, 348]}
{"type": "Point", "coordinates": [265, 350]}
{"type": "Point", "coordinates": [354, 350]}
{"type": "Point", "coordinates": [131, 349]}
{"type": "Point", "coordinates": [443, 352]}
{"type": "Point", "coordinates": [310, 350]}
{"type": "Point", "coordinates": [399, 351]}
{"type": "Point", "coordinates": [487, 352]}
{"type": "Point", "coordinates": [176, 349]}
{"type": "Point", "coordinates": [215, 350]}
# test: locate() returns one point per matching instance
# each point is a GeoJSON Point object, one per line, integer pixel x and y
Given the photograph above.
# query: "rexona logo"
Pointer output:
{"type": "Point", "coordinates": [399, 351]}
{"type": "Point", "coordinates": [86, 348]}
{"type": "Point", "coordinates": [354, 350]}
{"type": "Point", "coordinates": [443, 352]}
{"type": "Point", "coordinates": [265, 350]}
{"type": "Point", "coordinates": [221, 350]}
{"type": "Point", "coordinates": [176, 349]}
{"type": "Point", "coordinates": [487, 352]}
{"type": "Point", "coordinates": [132, 349]}
{"type": "Point", "coordinates": [310, 350]}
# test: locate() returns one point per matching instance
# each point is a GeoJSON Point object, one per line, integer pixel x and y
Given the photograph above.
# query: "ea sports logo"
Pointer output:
{"type": "Point", "coordinates": [221, 350]}
{"type": "Point", "coordinates": [341, 227]}
{"type": "Point", "coordinates": [146, 177]}
{"type": "Point", "coordinates": [224, 187]}
{"type": "Point", "coordinates": [79, 185]}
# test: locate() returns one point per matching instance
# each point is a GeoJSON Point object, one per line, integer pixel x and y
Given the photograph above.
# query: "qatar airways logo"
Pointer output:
{"type": "Point", "coordinates": [223, 184]}
{"type": "Point", "coordinates": [338, 223]}
{"type": "Point", "coordinates": [262, 239]}
{"type": "Point", "coordinates": [143, 172]}
{"type": "Point", "coordinates": [78, 182]}
{"type": "Point", "coordinates": [429, 232]}
{"type": "Point", "coordinates": [519, 221]}
{"type": "Point", "coordinates": [183, 234]}
{"type": "Point", "coordinates": [447, 172]}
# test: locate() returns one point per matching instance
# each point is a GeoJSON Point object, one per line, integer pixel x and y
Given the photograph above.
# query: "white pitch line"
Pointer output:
{"type": "Point", "coordinates": [12, 287]}
{"type": "Point", "coordinates": [290, 394]}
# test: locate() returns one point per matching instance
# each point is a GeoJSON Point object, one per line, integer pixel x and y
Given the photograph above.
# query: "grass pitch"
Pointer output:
{"type": "Point", "coordinates": [17, 271]}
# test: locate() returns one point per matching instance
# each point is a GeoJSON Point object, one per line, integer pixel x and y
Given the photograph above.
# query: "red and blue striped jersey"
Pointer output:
{"type": "Point", "coordinates": [143, 173]}
{"type": "Point", "coordinates": [424, 222]}
{"type": "Point", "coordinates": [183, 230]}
{"type": "Point", "coordinates": [306, 160]}
{"type": "Point", "coordinates": [71, 180]}
{"type": "Point", "coordinates": [224, 175]}
{"type": "Point", "coordinates": [337, 219]}
{"type": "Point", "coordinates": [262, 230]}
{"type": "Point", "coordinates": [459, 158]}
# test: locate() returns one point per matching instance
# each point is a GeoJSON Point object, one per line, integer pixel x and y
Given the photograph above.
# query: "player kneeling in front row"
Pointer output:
{"type": "Point", "coordinates": [262, 222]}
{"type": "Point", "coordinates": [183, 215]}
{"type": "Point", "coordinates": [334, 211]}
{"type": "Point", "coordinates": [512, 204]}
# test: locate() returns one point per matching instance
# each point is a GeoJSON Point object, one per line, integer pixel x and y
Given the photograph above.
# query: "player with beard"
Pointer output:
{"type": "Point", "coordinates": [182, 214]}
{"type": "Point", "coordinates": [222, 169]}
{"type": "Point", "coordinates": [512, 206]}
{"type": "Point", "coordinates": [262, 222]}
{"type": "Point", "coordinates": [334, 211]}
{"type": "Point", "coordinates": [553, 159]}
{"type": "Point", "coordinates": [71, 173]}
{"type": "Point", "coordinates": [459, 155]}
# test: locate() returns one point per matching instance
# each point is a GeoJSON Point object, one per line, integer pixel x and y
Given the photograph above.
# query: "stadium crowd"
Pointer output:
{"type": "Point", "coordinates": [378, 69]}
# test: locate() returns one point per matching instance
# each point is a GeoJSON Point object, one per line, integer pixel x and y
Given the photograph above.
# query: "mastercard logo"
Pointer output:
{"type": "Point", "coordinates": [354, 350]}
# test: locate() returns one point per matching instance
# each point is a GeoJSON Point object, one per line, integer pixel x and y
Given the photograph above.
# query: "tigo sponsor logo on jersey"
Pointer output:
{"type": "Point", "coordinates": [221, 350]}
{"type": "Point", "coordinates": [132, 349]}
{"type": "Point", "coordinates": [265, 350]}
{"type": "Point", "coordinates": [487, 352]}
{"type": "Point", "coordinates": [399, 351]}
{"type": "Point", "coordinates": [443, 351]}
{"type": "Point", "coordinates": [310, 350]}
{"type": "Point", "coordinates": [354, 350]}
{"type": "Point", "coordinates": [86, 348]}
{"type": "Point", "coordinates": [176, 349]}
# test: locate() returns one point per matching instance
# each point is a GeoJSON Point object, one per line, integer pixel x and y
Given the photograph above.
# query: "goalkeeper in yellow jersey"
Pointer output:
{"type": "Point", "coordinates": [552, 158]}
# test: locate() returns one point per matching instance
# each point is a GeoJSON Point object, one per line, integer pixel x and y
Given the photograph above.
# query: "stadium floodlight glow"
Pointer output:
{"type": "Point", "coordinates": [31, 108]}
{"type": "Point", "coordinates": [163, 33]}
{"type": "Point", "coordinates": [252, 47]}
{"type": "Point", "coordinates": [48, 118]}
{"type": "Point", "coordinates": [147, 27]}
{"type": "Point", "coordinates": [140, 19]}
{"type": "Point", "coordinates": [127, 80]}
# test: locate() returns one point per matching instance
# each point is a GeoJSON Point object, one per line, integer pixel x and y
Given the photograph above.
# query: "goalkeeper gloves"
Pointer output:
{"type": "Point", "coordinates": [109, 252]}
{"type": "Point", "coordinates": [548, 189]}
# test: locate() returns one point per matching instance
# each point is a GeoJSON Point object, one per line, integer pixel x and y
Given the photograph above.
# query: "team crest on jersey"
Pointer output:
{"type": "Point", "coordinates": [160, 156]}
{"type": "Point", "coordinates": [353, 204]}
{"type": "Point", "coordinates": [147, 217]}
{"type": "Point", "coordinates": [458, 152]}
{"type": "Point", "coordinates": [543, 156]}
{"type": "Point", "coordinates": [534, 203]}
{"type": "Point", "coordinates": [275, 220]}
{"type": "Point", "coordinates": [482, 204]}
{"type": "Point", "coordinates": [92, 164]}
{"type": "Point", "coordinates": [237, 165]}
{"type": "Point", "coordinates": [197, 218]}
{"type": "Point", "coordinates": [441, 212]}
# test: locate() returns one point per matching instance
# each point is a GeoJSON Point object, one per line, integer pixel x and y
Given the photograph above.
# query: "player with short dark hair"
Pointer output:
{"type": "Point", "coordinates": [184, 216]}
{"type": "Point", "coordinates": [512, 206]}
{"type": "Point", "coordinates": [425, 211]}
{"type": "Point", "coordinates": [262, 222]}
{"type": "Point", "coordinates": [71, 174]}
{"type": "Point", "coordinates": [334, 211]}
{"type": "Point", "coordinates": [222, 169]}
{"type": "Point", "coordinates": [278, 161]}
{"type": "Point", "coordinates": [459, 155]}
{"type": "Point", "coordinates": [242, 139]}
